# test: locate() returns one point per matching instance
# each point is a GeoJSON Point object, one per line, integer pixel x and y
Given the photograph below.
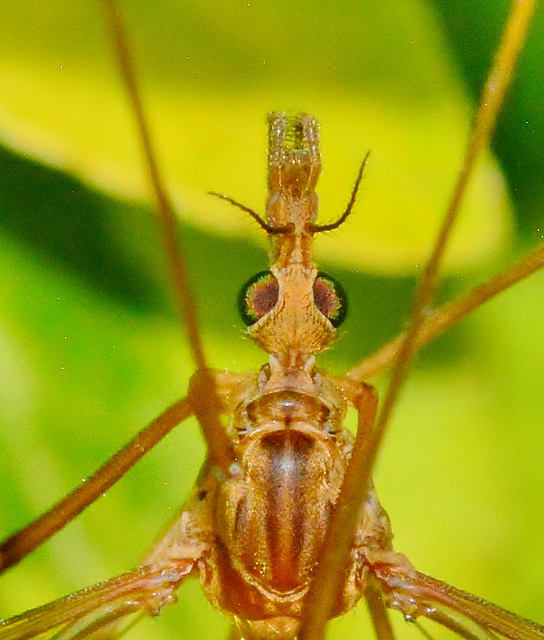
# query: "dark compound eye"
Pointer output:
{"type": "Point", "coordinates": [257, 297]}
{"type": "Point", "coordinates": [330, 298]}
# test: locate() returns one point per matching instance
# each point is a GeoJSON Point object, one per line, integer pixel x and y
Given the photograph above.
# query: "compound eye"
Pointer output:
{"type": "Point", "coordinates": [330, 298]}
{"type": "Point", "coordinates": [257, 297]}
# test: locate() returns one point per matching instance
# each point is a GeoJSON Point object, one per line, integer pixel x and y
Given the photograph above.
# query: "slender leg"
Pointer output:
{"type": "Point", "coordinates": [416, 594]}
{"type": "Point", "coordinates": [329, 574]}
{"type": "Point", "coordinates": [218, 446]}
{"type": "Point", "coordinates": [443, 318]}
{"type": "Point", "coordinates": [425, 330]}
{"type": "Point", "coordinates": [378, 612]}
{"type": "Point", "coordinates": [17, 546]}
{"type": "Point", "coordinates": [146, 589]}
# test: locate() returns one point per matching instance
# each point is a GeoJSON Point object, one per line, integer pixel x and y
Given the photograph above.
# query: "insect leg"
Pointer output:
{"type": "Point", "coordinates": [378, 612]}
{"type": "Point", "coordinates": [338, 543]}
{"type": "Point", "coordinates": [146, 589]}
{"type": "Point", "coordinates": [492, 98]}
{"type": "Point", "coordinates": [443, 318]}
{"type": "Point", "coordinates": [14, 548]}
{"type": "Point", "coordinates": [417, 594]}
{"type": "Point", "coordinates": [219, 448]}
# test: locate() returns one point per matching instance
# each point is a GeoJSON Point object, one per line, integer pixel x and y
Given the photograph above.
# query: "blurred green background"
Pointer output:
{"type": "Point", "coordinates": [90, 348]}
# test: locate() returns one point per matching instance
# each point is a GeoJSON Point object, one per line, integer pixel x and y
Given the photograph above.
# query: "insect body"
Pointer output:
{"type": "Point", "coordinates": [266, 524]}
{"type": "Point", "coordinates": [255, 536]}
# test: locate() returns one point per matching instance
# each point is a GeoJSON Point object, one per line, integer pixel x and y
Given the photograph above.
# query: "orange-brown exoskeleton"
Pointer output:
{"type": "Point", "coordinates": [283, 528]}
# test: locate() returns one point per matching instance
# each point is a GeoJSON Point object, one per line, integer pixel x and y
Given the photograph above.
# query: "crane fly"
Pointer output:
{"type": "Point", "coordinates": [379, 569]}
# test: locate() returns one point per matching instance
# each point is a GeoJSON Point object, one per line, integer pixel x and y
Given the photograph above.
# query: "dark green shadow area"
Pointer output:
{"type": "Point", "coordinates": [112, 247]}
{"type": "Point", "coordinates": [473, 30]}
{"type": "Point", "coordinates": [73, 228]}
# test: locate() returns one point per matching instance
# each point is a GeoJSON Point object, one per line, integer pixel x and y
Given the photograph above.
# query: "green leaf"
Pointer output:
{"type": "Point", "coordinates": [376, 79]}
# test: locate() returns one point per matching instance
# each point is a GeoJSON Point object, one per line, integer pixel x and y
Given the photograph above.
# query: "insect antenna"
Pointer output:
{"type": "Point", "coordinates": [317, 228]}
{"type": "Point", "coordinates": [313, 228]}
{"type": "Point", "coordinates": [269, 228]}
